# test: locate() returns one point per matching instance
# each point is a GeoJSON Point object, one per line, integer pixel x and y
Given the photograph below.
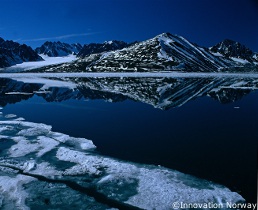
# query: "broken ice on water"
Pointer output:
{"type": "Point", "coordinates": [43, 169]}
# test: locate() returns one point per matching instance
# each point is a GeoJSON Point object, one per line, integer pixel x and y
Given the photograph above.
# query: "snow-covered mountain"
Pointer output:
{"type": "Point", "coordinates": [94, 48]}
{"type": "Point", "coordinates": [12, 53]}
{"type": "Point", "coordinates": [172, 52]}
{"type": "Point", "coordinates": [58, 49]}
{"type": "Point", "coordinates": [165, 52]}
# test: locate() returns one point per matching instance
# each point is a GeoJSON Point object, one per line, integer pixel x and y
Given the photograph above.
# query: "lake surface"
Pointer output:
{"type": "Point", "coordinates": [205, 127]}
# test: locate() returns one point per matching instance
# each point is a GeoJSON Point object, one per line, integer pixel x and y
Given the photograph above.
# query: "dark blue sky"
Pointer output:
{"type": "Point", "coordinates": [204, 22]}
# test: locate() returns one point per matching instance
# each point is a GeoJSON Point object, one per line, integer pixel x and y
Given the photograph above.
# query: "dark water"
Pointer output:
{"type": "Point", "coordinates": [203, 137]}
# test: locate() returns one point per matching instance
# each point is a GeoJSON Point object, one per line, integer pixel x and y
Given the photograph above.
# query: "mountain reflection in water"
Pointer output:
{"type": "Point", "coordinates": [202, 138]}
{"type": "Point", "coordinates": [163, 93]}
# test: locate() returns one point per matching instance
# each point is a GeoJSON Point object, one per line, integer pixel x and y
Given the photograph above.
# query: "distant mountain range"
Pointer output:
{"type": "Point", "coordinates": [94, 48]}
{"type": "Point", "coordinates": [164, 52]}
{"type": "Point", "coordinates": [57, 49]}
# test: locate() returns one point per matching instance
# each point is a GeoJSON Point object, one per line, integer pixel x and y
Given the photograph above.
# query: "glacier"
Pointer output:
{"type": "Point", "coordinates": [47, 61]}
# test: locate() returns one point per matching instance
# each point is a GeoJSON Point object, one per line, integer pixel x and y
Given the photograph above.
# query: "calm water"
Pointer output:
{"type": "Point", "coordinates": [203, 137]}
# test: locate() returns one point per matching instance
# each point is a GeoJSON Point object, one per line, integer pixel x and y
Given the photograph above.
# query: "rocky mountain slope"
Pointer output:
{"type": "Point", "coordinates": [12, 53]}
{"type": "Point", "coordinates": [234, 50]}
{"type": "Point", "coordinates": [58, 49]}
{"type": "Point", "coordinates": [94, 48]}
{"type": "Point", "coordinates": [173, 52]}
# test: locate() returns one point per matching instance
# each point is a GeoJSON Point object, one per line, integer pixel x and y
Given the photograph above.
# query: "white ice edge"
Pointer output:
{"type": "Point", "coordinates": [122, 74]}
{"type": "Point", "coordinates": [158, 187]}
{"type": "Point", "coordinates": [47, 83]}
{"type": "Point", "coordinates": [18, 93]}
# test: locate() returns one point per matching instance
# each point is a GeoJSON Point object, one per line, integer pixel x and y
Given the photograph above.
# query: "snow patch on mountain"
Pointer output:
{"type": "Point", "coordinates": [240, 60]}
{"type": "Point", "coordinates": [217, 54]}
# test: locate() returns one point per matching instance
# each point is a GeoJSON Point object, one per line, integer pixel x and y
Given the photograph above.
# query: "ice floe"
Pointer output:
{"type": "Point", "coordinates": [37, 156]}
{"type": "Point", "coordinates": [10, 116]}
{"type": "Point", "coordinates": [12, 194]}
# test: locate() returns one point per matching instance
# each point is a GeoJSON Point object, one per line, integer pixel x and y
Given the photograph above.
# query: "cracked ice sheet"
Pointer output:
{"type": "Point", "coordinates": [157, 188]}
{"type": "Point", "coordinates": [145, 186]}
{"type": "Point", "coordinates": [12, 187]}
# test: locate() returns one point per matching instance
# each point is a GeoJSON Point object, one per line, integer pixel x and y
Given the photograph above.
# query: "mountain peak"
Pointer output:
{"type": "Point", "coordinates": [94, 48]}
{"type": "Point", "coordinates": [166, 35]}
{"type": "Point", "coordinates": [55, 49]}
{"type": "Point", "coordinates": [12, 53]}
{"type": "Point", "coordinates": [229, 42]}
{"type": "Point", "coordinates": [230, 48]}
{"type": "Point", "coordinates": [109, 42]}
{"type": "Point", "coordinates": [173, 52]}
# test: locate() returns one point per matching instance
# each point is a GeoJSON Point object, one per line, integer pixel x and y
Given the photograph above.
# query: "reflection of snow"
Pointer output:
{"type": "Point", "coordinates": [36, 150]}
{"type": "Point", "coordinates": [18, 93]}
{"type": "Point", "coordinates": [47, 82]}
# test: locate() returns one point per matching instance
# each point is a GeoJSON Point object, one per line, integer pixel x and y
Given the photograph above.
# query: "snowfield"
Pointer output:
{"type": "Point", "coordinates": [37, 64]}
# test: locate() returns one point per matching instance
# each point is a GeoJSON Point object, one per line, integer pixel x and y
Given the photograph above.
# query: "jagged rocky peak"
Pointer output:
{"type": "Point", "coordinates": [116, 43]}
{"type": "Point", "coordinates": [12, 53]}
{"type": "Point", "coordinates": [55, 49]}
{"type": "Point", "coordinates": [1, 40]}
{"type": "Point", "coordinates": [230, 48]}
{"type": "Point", "coordinates": [94, 48]}
{"type": "Point", "coordinates": [173, 38]}
{"type": "Point", "coordinates": [166, 35]}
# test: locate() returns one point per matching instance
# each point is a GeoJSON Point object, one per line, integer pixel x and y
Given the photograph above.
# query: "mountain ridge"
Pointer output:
{"type": "Point", "coordinates": [106, 46]}
{"type": "Point", "coordinates": [164, 52]}
{"type": "Point", "coordinates": [12, 53]}
{"type": "Point", "coordinates": [58, 49]}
